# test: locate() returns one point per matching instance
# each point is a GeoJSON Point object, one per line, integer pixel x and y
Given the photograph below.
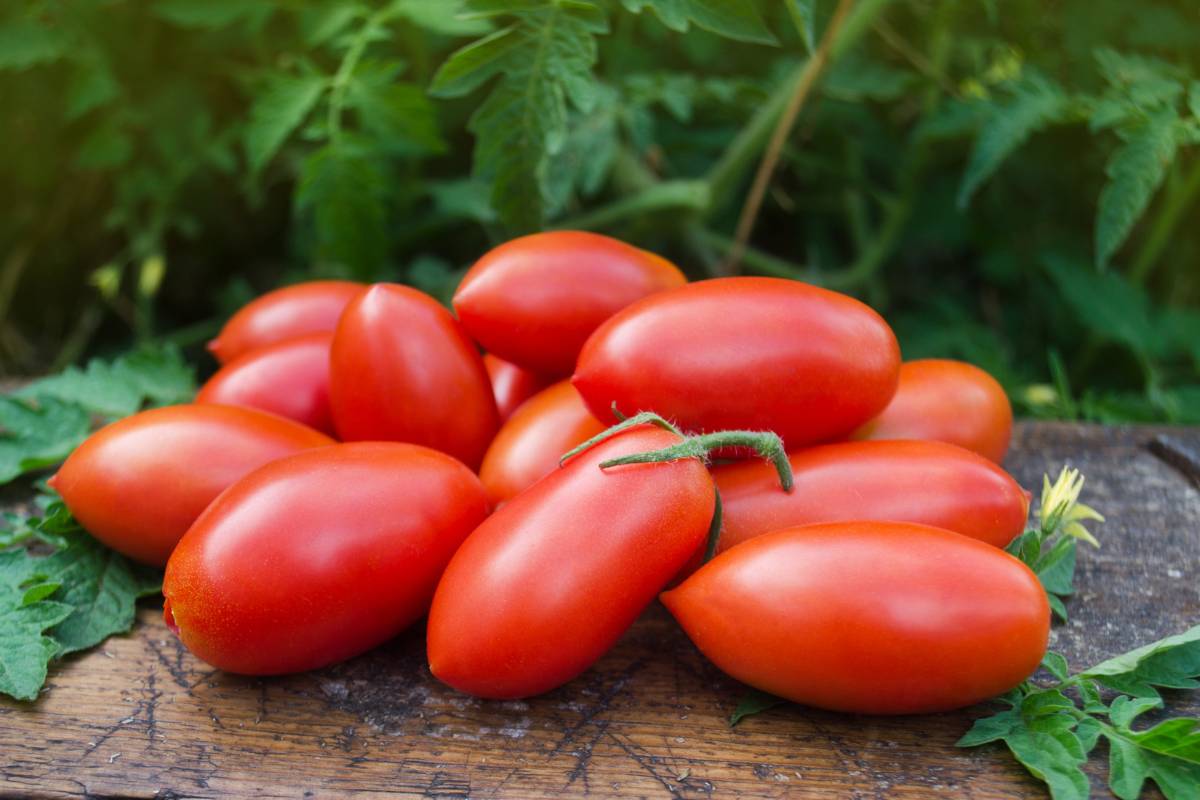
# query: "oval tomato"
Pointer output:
{"type": "Point", "coordinates": [948, 401]}
{"type": "Point", "coordinates": [312, 307]}
{"type": "Point", "coordinates": [535, 300]}
{"type": "Point", "coordinates": [868, 617]}
{"type": "Point", "coordinates": [138, 484]}
{"type": "Point", "coordinates": [511, 385]}
{"type": "Point", "coordinates": [288, 378]}
{"type": "Point", "coordinates": [402, 369]}
{"type": "Point", "coordinates": [931, 483]}
{"type": "Point", "coordinates": [320, 556]}
{"type": "Point", "coordinates": [551, 580]}
{"type": "Point", "coordinates": [528, 447]}
{"type": "Point", "coordinates": [749, 353]}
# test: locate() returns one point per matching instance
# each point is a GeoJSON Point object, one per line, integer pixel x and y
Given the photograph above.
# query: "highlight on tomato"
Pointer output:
{"type": "Point", "coordinates": [529, 445]}
{"type": "Point", "coordinates": [948, 401]}
{"type": "Point", "coordinates": [536, 299]}
{"type": "Point", "coordinates": [288, 378]}
{"type": "Point", "coordinates": [868, 617]}
{"type": "Point", "coordinates": [320, 556]}
{"type": "Point", "coordinates": [311, 307]}
{"type": "Point", "coordinates": [403, 369]}
{"type": "Point", "coordinates": [138, 484]}
{"type": "Point", "coordinates": [744, 353]}
{"type": "Point", "coordinates": [511, 385]}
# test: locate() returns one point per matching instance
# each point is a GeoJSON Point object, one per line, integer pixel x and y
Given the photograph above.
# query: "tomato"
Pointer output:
{"type": "Point", "coordinates": [868, 617]}
{"type": "Point", "coordinates": [535, 300]}
{"type": "Point", "coordinates": [551, 580]}
{"type": "Point", "coordinates": [312, 307]}
{"type": "Point", "coordinates": [512, 385]}
{"type": "Point", "coordinates": [288, 378]}
{"type": "Point", "coordinates": [139, 483]}
{"type": "Point", "coordinates": [931, 483]}
{"type": "Point", "coordinates": [749, 353]}
{"type": "Point", "coordinates": [948, 401]}
{"type": "Point", "coordinates": [529, 446]}
{"type": "Point", "coordinates": [317, 557]}
{"type": "Point", "coordinates": [402, 369]}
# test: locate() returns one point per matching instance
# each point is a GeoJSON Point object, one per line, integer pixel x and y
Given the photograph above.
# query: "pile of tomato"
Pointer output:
{"type": "Point", "coordinates": [358, 462]}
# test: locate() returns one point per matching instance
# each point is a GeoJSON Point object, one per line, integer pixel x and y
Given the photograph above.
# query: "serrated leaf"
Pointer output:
{"type": "Point", "coordinates": [1056, 665]}
{"type": "Point", "coordinates": [278, 110]}
{"type": "Point", "coordinates": [1146, 83]}
{"type": "Point", "coordinates": [440, 16]}
{"type": "Point", "coordinates": [1177, 738]}
{"type": "Point", "coordinates": [1053, 759]}
{"type": "Point", "coordinates": [582, 164]}
{"type": "Point", "coordinates": [1135, 171]}
{"type": "Point", "coordinates": [1043, 702]}
{"type": "Point", "coordinates": [1131, 764]}
{"type": "Point", "coordinates": [24, 649]}
{"type": "Point", "coordinates": [342, 188]}
{"type": "Point", "coordinates": [25, 44]}
{"type": "Point", "coordinates": [34, 436]}
{"type": "Point", "coordinates": [466, 198]}
{"type": "Point", "coordinates": [991, 729]}
{"type": "Point", "coordinates": [1105, 303]}
{"type": "Point", "coordinates": [754, 701]}
{"type": "Point", "coordinates": [154, 375]}
{"type": "Point", "coordinates": [1173, 662]}
{"type": "Point", "coordinates": [1036, 103]}
{"type": "Point", "coordinates": [735, 19]}
{"type": "Point", "coordinates": [399, 115]}
{"type": "Point", "coordinates": [320, 24]}
{"type": "Point", "coordinates": [1124, 709]}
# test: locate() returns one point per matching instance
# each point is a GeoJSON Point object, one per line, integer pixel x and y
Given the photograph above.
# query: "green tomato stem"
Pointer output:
{"type": "Point", "coordinates": [714, 528]}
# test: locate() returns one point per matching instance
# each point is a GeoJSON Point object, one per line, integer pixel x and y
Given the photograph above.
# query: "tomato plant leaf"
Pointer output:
{"type": "Point", "coordinates": [277, 111]}
{"type": "Point", "coordinates": [440, 16]}
{"type": "Point", "coordinates": [213, 13]}
{"type": "Point", "coordinates": [344, 192]}
{"type": "Point", "coordinates": [25, 44]}
{"type": "Point", "coordinates": [1172, 663]}
{"type": "Point", "coordinates": [398, 115]}
{"type": "Point", "coordinates": [25, 614]}
{"type": "Point", "coordinates": [38, 435]}
{"type": "Point", "coordinates": [802, 13]}
{"type": "Point", "coordinates": [1105, 304]}
{"type": "Point", "coordinates": [1135, 171]}
{"type": "Point", "coordinates": [735, 19]}
{"type": "Point", "coordinates": [754, 701]}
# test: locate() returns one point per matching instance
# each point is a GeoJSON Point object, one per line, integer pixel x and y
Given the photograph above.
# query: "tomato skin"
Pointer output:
{"type": "Point", "coordinates": [511, 385]}
{"type": "Point", "coordinates": [288, 378]}
{"type": "Point", "coordinates": [312, 307]}
{"type": "Point", "coordinates": [138, 484]}
{"type": "Point", "coordinates": [402, 369]}
{"type": "Point", "coordinates": [552, 579]}
{"type": "Point", "coordinates": [947, 401]}
{"type": "Point", "coordinates": [868, 617]}
{"type": "Point", "coordinates": [536, 299]}
{"type": "Point", "coordinates": [931, 483]}
{"type": "Point", "coordinates": [744, 353]}
{"type": "Point", "coordinates": [320, 556]}
{"type": "Point", "coordinates": [528, 447]}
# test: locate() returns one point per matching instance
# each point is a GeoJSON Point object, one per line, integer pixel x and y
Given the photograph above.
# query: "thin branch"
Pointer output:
{"type": "Point", "coordinates": [766, 168]}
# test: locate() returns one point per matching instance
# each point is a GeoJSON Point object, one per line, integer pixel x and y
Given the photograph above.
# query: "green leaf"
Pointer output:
{"type": "Point", "coordinates": [1173, 663]}
{"type": "Point", "coordinates": [735, 19]}
{"type": "Point", "coordinates": [106, 147]}
{"type": "Point", "coordinates": [1194, 99]}
{"type": "Point", "coordinates": [319, 25]}
{"type": "Point", "coordinates": [399, 115]}
{"type": "Point", "coordinates": [1135, 172]}
{"type": "Point", "coordinates": [100, 585]}
{"type": "Point", "coordinates": [803, 13]}
{"type": "Point", "coordinates": [1124, 709]}
{"type": "Point", "coordinates": [440, 16]}
{"type": "Point", "coordinates": [1056, 665]}
{"type": "Point", "coordinates": [92, 86]}
{"type": "Point", "coordinates": [1132, 762]}
{"type": "Point", "coordinates": [1053, 758]}
{"type": "Point", "coordinates": [38, 435]}
{"type": "Point", "coordinates": [1056, 569]}
{"type": "Point", "coordinates": [855, 79]}
{"type": "Point", "coordinates": [753, 702]}
{"type": "Point", "coordinates": [343, 190]}
{"type": "Point", "coordinates": [1105, 303]}
{"type": "Point", "coordinates": [277, 111]}
{"type": "Point", "coordinates": [992, 729]}
{"type": "Point", "coordinates": [545, 61]}
{"type": "Point", "coordinates": [24, 616]}
{"type": "Point", "coordinates": [118, 388]}
{"type": "Point", "coordinates": [213, 13]}
{"type": "Point", "coordinates": [1036, 103]}
{"type": "Point", "coordinates": [25, 44]}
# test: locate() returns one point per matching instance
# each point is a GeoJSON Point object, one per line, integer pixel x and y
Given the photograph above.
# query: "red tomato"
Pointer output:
{"type": "Point", "coordinates": [748, 353]}
{"type": "Point", "coordinates": [288, 378]}
{"type": "Point", "coordinates": [402, 369]}
{"type": "Point", "coordinates": [529, 446]}
{"type": "Point", "coordinates": [868, 617]}
{"type": "Point", "coordinates": [535, 300]}
{"type": "Point", "coordinates": [948, 401]}
{"type": "Point", "coordinates": [512, 385]}
{"type": "Point", "coordinates": [552, 579]}
{"type": "Point", "coordinates": [286, 313]}
{"type": "Point", "coordinates": [320, 556]}
{"type": "Point", "coordinates": [139, 483]}
{"type": "Point", "coordinates": [931, 483]}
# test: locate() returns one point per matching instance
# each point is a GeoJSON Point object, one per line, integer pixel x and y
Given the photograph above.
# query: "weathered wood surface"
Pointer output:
{"type": "Point", "coordinates": [140, 717]}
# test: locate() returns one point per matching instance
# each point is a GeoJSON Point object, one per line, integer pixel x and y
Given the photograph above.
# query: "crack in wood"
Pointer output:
{"type": "Point", "coordinates": [1178, 453]}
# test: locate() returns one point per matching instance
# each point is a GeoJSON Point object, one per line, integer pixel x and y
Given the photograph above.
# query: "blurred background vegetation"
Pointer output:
{"type": "Point", "coordinates": [1016, 184]}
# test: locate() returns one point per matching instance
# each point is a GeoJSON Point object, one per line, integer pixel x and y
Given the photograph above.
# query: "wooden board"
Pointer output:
{"type": "Point", "coordinates": [140, 717]}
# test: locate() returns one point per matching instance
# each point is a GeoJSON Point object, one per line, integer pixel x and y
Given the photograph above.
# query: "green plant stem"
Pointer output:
{"type": "Point", "coordinates": [714, 527]}
{"type": "Point", "coordinates": [345, 70]}
{"type": "Point", "coordinates": [758, 261]}
{"type": "Point", "coordinates": [766, 444]}
{"type": "Point", "coordinates": [1178, 200]}
{"type": "Point", "coordinates": [683, 195]}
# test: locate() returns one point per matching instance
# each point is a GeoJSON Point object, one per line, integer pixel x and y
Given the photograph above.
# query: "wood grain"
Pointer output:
{"type": "Point", "coordinates": [140, 717]}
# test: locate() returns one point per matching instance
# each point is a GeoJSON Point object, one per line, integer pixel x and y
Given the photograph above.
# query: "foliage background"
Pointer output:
{"type": "Point", "coordinates": [1015, 184]}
